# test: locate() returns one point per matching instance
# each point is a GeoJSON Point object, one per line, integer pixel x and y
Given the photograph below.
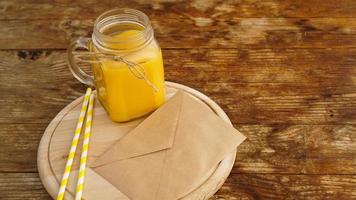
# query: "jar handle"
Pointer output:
{"type": "Point", "coordinates": [80, 43]}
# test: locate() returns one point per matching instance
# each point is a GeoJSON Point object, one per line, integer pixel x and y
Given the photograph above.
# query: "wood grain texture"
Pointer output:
{"type": "Point", "coordinates": [82, 9]}
{"type": "Point", "coordinates": [277, 149]}
{"type": "Point", "coordinates": [18, 147]}
{"type": "Point", "coordinates": [208, 24]}
{"type": "Point", "coordinates": [283, 70]}
{"type": "Point", "coordinates": [199, 32]}
{"type": "Point", "coordinates": [293, 86]}
{"type": "Point", "coordinates": [16, 186]}
{"type": "Point", "coordinates": [257, 186]}
{"type": "Point", "coordinates": [297, 149]}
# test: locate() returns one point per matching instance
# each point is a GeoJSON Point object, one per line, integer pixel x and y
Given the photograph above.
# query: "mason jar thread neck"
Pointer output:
{"type": "Point", "coordinates": [112, 22]}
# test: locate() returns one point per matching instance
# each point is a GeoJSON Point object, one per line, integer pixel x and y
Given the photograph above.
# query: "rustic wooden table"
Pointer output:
{"type": "Point", "coordinates": [284, 71]}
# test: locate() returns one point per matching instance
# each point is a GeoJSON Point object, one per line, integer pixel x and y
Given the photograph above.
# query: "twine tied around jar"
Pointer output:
{"type": "Point", "coordinates": [135, 68]}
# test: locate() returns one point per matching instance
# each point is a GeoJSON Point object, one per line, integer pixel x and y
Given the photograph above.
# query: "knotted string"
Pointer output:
{"type": "Point", "coordinates": [135, 68]}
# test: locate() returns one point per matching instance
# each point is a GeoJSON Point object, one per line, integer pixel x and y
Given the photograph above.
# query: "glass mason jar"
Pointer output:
{"type": "Point", "coordinates": [126, 62]}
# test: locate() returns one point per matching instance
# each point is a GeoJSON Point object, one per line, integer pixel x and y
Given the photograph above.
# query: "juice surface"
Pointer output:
{"type": "Point", "coordinates": [124, 95]}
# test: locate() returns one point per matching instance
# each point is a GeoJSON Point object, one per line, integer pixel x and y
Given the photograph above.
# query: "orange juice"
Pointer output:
{"type": "Point", "coordinates": [123, 95]}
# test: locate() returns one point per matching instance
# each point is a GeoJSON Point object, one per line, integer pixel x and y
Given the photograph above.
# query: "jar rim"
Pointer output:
{"type": "Point", "coordinates": [129, 15]}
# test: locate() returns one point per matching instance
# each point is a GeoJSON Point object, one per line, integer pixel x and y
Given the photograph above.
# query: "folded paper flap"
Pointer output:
{"type": "Point", "coordinates": [170, 153]}
{"type": "Point", "coordinates": [203, 139]}
{"type": "Point", "coordinates": [194, 110]}
{"type": "Point", "coordinates": [155, 134]}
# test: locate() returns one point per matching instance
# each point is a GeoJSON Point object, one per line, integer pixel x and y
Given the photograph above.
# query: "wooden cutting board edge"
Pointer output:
{"type": "Point", "coordinates": [205, 191]}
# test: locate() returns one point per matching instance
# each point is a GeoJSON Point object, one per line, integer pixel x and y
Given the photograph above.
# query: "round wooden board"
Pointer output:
{"type": "Point", "coordinates": [56, 141]}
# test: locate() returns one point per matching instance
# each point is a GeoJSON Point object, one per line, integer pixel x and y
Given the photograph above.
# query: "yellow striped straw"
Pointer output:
{"type": "Point", "coordinates": [74, 145]}
{"type": "Point", "coordinates": [85, 147]}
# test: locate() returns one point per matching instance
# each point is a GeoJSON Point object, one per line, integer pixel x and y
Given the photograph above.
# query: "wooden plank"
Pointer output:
{"type": "Point", "coordinates": [19, 143]}
{"type": "Point", "coordinates": [245, 103]}
{"type": "Point", "coordinates": [16, 186]}
{"type": "Point", "coordinates": [309, 66]}
{"type": "Point", "coordinates": [198, 32]}
{"type": "Point", "coordinates": [271, 186]}
{"type": "Point", "coordinates": [277, 149]}
{"type": "Point", "coordinates": [20, 9]}
{"type": "Point", "coordinates": [297, 149]}
{"type": "Point", "coordinates": [293, 86]}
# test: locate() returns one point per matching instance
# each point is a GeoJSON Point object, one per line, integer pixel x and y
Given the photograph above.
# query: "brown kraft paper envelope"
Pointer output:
{"type": "Point", "coordinates": [170, 153]}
